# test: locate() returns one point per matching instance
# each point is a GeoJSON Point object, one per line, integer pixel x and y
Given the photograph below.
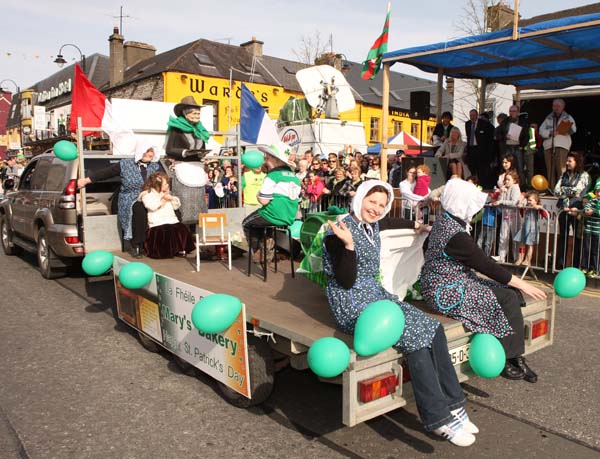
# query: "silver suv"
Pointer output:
{"type": "Point", "coordinates": [43, 214]}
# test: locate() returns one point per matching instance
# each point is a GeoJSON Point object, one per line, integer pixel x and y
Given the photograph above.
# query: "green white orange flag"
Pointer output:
{"type": "Point", "coordinates": [373, 62]}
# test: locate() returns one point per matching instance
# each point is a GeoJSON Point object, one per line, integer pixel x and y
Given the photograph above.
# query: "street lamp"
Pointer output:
{"type": "Point", "coordinates": [13, 82]}
{"type": "Point", "coordinates": [60, 60]}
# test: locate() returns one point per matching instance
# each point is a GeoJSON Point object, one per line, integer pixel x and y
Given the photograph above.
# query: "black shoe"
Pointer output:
{"type": "Point", "coordinates": [181, 254]}
{"type": "Point", "coordinates": [127, 246]}
{"type": "Point", "coordinates": [530, 375]}
{"type": "Point", "coordinates": [136, 252]}
{"type": "Point", "coordinates": [512, 371]}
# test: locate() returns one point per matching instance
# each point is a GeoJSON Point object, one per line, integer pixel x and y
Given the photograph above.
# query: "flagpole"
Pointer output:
{"type": "Point", "coordinates": [82, 192]}
{"type": "Point", "coordinates": [385, 104]}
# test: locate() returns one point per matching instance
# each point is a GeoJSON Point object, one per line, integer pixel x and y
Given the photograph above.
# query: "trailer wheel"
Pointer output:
{"type": "Point", "coordinates": [147, 343]}
{"type": "Point", "coordinates": [185, 367]}
{"type": "Point", "coordinates": [262, 375]}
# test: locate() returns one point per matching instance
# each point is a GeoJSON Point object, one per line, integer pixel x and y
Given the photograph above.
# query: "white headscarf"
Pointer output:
{"type": "Point", "coordinates": [462, 199]}
{"type": "Point", "coordinates": [141, 147]}
{"type": "Point", "coordinates": [362, 191]}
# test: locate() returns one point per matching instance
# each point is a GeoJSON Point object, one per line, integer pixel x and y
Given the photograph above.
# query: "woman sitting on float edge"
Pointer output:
{"type": "Point", "coordinates": [450, 285]}
{"type": "Point", "coordinates": [351, 261]}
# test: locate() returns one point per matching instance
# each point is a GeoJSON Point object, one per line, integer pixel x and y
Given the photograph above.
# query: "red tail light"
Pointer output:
{"type": "Point", "coordinates": [539, 328]}
{"type": "Point", "coordinates": [67, 200]}
{"type": "Point", "coordinates": [377, 387]}
{"type": "Point", "coordinates": [72, 240]}
{"type": "Point", "coordinates": [71, 188]}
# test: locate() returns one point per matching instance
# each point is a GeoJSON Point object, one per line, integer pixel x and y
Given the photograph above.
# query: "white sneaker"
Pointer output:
{"type": "Point", "coordinates": [455, 433]}
{"type": "Point", "coordinates": [463, 417]}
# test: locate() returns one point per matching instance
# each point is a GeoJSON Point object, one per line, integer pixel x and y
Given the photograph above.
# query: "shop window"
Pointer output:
{"type": "Point", "coordinates": [397, 127]}
{"type": "Point", "coordinates": [429, 132]}
{"type": "Point", "coordinates": [215, 105]}
{"type": "Point", "coordinates": [374, 132]}
{"type": "Point", "coordinates": [414, 130]}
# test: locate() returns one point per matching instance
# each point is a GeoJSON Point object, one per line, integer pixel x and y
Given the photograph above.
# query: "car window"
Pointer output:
{"type": "Point", "coordinates": [39, 177]}
{"type": "Point", "coordinates": [56, 179]}
{"type": "Point", "coordinates": [27, 176]}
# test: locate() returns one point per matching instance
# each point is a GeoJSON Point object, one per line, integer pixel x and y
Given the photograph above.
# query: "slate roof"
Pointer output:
{"type": "Point", "coordinates": [209, 58]}
{"type": "Point", "coordinates": [96, 68]}
{"type": "Point", "coordinates": [586, 9]}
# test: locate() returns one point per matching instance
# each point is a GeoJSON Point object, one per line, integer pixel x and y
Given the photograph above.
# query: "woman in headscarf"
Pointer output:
{"type": "Point", "coordinates": [450, 285]}
{"type": "Point", "coordinates": [351, 261]}
{"type": "Point", "coordinates": [133, 172]}
{"type": "Point", "coordinates": [186, 147]}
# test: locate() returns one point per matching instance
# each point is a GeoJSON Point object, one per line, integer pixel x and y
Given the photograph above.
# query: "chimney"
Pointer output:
{"type": "Point", "coordinates": [116, 60]}
{"type": "Point", "coordinates": [136, 51]}
{"type": "Point", "coordinates": [498, 17]}
{"type": "Point", "coordinates": [254, 47]}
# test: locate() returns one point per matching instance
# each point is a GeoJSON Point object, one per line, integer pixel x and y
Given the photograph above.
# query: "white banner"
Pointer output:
{"type": "Point", "coordinates": [39, 118]}
{"type": "Point", "coordinates": [163, 310]}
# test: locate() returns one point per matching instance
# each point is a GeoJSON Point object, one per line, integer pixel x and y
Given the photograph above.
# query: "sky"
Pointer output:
{"type": "Point", "coordinates": [33, 31]}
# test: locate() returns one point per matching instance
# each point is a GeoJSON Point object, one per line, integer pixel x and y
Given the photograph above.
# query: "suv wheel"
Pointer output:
{"type": "Point", "coordinates": [45, 256]}
{"type": "Point", "coordinates": [6, 235]}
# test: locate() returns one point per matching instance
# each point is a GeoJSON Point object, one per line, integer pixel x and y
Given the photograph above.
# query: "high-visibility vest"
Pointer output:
{"type": "Point", "coordinates": [532, 145]}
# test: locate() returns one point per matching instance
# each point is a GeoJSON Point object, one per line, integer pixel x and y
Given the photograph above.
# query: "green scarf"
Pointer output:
{"type": "Point", "coordinates": [184, 125]}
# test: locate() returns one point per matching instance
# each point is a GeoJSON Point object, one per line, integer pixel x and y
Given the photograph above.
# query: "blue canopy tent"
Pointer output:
{"type": "Point", "coordinates": [547, 55]}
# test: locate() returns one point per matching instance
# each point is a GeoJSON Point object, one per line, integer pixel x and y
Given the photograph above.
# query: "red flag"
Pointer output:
{"type": "Point", "coordinates": [373, 62]}
{"type": "Point", "coordinates": [96, 111]}
{"type": "Point", "coordinates": [87, 102]}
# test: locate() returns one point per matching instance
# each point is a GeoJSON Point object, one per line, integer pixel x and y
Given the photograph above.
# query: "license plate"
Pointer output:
{"type": "Point", "coordinates": [459, 355]}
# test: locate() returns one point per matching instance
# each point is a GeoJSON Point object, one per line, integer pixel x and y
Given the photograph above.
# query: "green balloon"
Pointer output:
{"type": "Point", "coordinates": [486, 355]}
{"type": "Point", "coordinates": [215, 313]}
{"type": "Point", "coordinates": [253, 159]}
{"type": "Point", "coordinates": [328, 357]}
{"type": "Point", "coordinates": [135, 275]}
{"type": "Point", "coordinates": [378, 327]}
{"type": "Point", "coordinates": [65, 150]}
{"type": "Point", "coordinates": [569, 283]}
{"type": "Point", "coordinates": [97, 262]}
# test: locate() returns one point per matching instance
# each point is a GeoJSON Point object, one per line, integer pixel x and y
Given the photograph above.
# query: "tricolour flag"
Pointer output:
{"type": "Point", "coordinates": [373, 63]}
{"type": "Point", "coordinates": [96, 111]}
{"type": "Point", "coordinates": [256, 127]}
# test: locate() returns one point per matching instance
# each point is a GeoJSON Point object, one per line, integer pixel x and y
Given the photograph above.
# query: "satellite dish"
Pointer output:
{"type": "Point", "coordinates": [326, 90]}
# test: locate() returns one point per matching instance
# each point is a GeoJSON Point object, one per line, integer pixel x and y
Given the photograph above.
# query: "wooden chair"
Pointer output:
{"type": "Point", "coordinates": [207, 221]}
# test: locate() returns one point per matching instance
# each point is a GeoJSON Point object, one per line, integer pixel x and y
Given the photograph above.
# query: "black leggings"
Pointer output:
{"type": "Point", "coordinates": [510, 302]}
{"type": "Point", "coordinates": [139, 224]}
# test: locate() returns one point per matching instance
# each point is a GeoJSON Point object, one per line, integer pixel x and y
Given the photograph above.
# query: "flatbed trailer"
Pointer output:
{"type": "Point", "coordinates": [285, 315]}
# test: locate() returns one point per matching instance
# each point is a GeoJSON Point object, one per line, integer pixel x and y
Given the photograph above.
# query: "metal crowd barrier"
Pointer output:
{"type": "Point", "coordinates": [575, 245]}
{"type": "Point", "coordinates": [561, 242]}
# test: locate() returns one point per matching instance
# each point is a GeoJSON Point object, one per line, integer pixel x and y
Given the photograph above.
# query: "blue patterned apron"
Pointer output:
{"type": "Point", "coordinates": [347, 304]}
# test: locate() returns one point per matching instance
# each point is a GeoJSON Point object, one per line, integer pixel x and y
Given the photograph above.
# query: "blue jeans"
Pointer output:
{"type": "Point", "coordinates": [486, 239]}
{"type": "Point", "coordinates": [434, 382]}
{"type": "Point", "coordinates": [590, 252]}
